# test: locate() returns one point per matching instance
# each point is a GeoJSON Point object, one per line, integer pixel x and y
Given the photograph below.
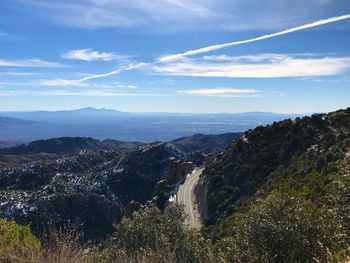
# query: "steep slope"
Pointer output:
{"type": "Point", "coordinates": [293, 156]}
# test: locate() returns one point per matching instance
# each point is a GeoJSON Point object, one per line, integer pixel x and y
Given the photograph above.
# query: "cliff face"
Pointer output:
{"type": "Point", "coordinates": [178, 171]}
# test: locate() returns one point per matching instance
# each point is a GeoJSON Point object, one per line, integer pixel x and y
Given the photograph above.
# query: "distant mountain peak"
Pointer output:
{"type": "Point", "coordinates": [92, 109]}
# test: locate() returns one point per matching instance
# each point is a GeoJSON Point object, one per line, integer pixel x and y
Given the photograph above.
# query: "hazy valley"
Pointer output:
{"type": "Point", "coordinates": [125, 126]}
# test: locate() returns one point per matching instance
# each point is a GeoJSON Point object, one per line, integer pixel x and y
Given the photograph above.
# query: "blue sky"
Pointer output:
{"type": "Point", "coordinates": [120, 54]}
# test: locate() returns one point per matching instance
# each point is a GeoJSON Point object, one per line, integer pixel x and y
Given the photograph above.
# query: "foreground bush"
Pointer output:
{"type": "Point", "coordinates": [19, 245]}
{"type": "Point", "coordinates": [285, 229]}
{"type": "Point", "coordinates": [152, 235]}
{"type": "Point", "coordinates": [17, 242]}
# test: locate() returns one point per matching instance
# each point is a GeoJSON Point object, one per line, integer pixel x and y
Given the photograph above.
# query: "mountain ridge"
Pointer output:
{"type": "Point", "coordinates": [297, 156]}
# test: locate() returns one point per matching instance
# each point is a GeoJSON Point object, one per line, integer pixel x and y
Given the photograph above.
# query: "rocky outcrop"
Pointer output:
{"type": "Point", "coordinates": [178, 171]}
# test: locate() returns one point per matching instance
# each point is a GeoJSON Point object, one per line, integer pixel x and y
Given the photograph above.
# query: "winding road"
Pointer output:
{"type": "Point", "coordinates": [186, 196]}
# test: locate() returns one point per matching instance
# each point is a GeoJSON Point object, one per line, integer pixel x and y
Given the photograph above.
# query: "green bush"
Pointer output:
{"type": "Point", "coordinates": [284, 229]}
{"type": "Point", "coordinates": [16, 241]}
{"type": "Point", "coordinates": [153, 235]}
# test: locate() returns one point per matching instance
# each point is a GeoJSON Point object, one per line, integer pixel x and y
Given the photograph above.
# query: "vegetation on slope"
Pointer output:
{"type": "Point", "coordinates": [297, 154]}
{"type": "Point", "coordinates": [212, 143]}
{"type": "Point", "coordinates": [280, 194]}
{"type": "Point", "coordinates": [281, 228]}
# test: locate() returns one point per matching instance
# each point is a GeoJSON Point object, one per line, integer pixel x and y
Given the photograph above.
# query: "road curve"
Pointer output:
{"type": "Point", "coordinates": [186, 196]}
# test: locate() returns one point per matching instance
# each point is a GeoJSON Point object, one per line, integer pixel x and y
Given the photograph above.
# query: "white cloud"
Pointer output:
{"type": "Point", "coordinates": [121, 13]}
{"type": "Point", "coordinates": [6, 93]}
{"type": "Point", "coordinates": [167, 15]}
{"type": "Point", "coordinates": [342, 79]}
{"type": "Point", "coordinates": [3, 34]}
{"type": "Point", "coordinates": [30, 63]}
{"type": "Point", "coordinates": [258, 66]}
{"type": "Point", "coordinates": [94, 93]}
{"type": "Point", "coordinates": [221, 92]}
{"type": "Point", "coordinates": [89, 93]}
{"type": "Point", "coordinates": [17, 74]}
{"type": "Point", "coordinates": [123, 86]}
{"type": "Point", "coordinates": [91, 55]}
{"type": "Point", "coordinates": [60, 82]}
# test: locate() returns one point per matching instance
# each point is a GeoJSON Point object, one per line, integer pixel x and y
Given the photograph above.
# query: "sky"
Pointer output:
{"type": "Point", "coordinates": [175, 55]}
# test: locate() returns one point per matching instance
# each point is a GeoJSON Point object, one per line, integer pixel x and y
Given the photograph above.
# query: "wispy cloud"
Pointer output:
{"type": "Point", "coordinates": [263, 37]}
{"type": "Point", "coordinates": [30, 63]}
{"type": "Point", "coordinates": [17, 74]}
{"type": "Point", "coordinates": [60, 82]}
{"type": "Point", "coordinates": [180, 68]}
{"type": "Point", "coordinates": [257, 66]}
{"type": "Point", "coordinates": [180, 15]}
{"type": "Point", "coordinates": [122, 13]}
{"type": "Point", "coordinates": [3, 34]}
{"type": "Point", "coordinates": [221, 92]}
{"type": "Point", "coordinates": [91, 55]}
{"type": "Point", "coordinates": [83, 93]}
{"type": "Point", "coordinates": [89, 93]}
{"type": "Point", "coordinates": [343, 79]}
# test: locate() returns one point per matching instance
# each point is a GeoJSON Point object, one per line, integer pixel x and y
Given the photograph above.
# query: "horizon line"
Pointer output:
{"type": "Point", "coordinates": [157, 112]}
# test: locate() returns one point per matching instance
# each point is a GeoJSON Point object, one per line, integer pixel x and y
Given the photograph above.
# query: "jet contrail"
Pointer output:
{"type": "Point", "coordinates": [236, 43]}
{"type": "Point", "coordinates": [114, 72]}
{"type": "Point", "coordinates": [221, 46]}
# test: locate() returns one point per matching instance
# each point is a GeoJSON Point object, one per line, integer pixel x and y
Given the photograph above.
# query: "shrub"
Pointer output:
{"type": "Point", "coordinates": [283, 229]}
{"type": "Point", "coordinates": [17, 242]}
{"type": "Point", "coordinates": [152, 235]}
{"type": "Point", "coordinates": [19, 245]}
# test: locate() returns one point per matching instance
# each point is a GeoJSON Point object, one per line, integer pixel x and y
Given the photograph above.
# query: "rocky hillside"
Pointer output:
{"type": "Point", "coordinates": [93, 187]}
{"type": "Point", "coordinates": [213, 143]}
{"type": "Point", "coordinates": [74, 179]}
{"type": "Point", "coordinates": [293, 156]}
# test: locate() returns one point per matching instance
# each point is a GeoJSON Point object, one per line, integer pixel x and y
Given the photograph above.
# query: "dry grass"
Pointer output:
{"type": "Point", "coordinates": [64, 246]}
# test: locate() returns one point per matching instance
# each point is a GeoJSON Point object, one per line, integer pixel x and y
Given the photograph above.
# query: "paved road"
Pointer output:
{"type": "Point", "coordinates": [186, 196]}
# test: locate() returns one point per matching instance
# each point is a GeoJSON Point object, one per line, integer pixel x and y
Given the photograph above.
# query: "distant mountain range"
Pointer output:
{"type": "Point", "coordinates": [8, 122]}
{"type": "Point", "coordinates": [126, 126]}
